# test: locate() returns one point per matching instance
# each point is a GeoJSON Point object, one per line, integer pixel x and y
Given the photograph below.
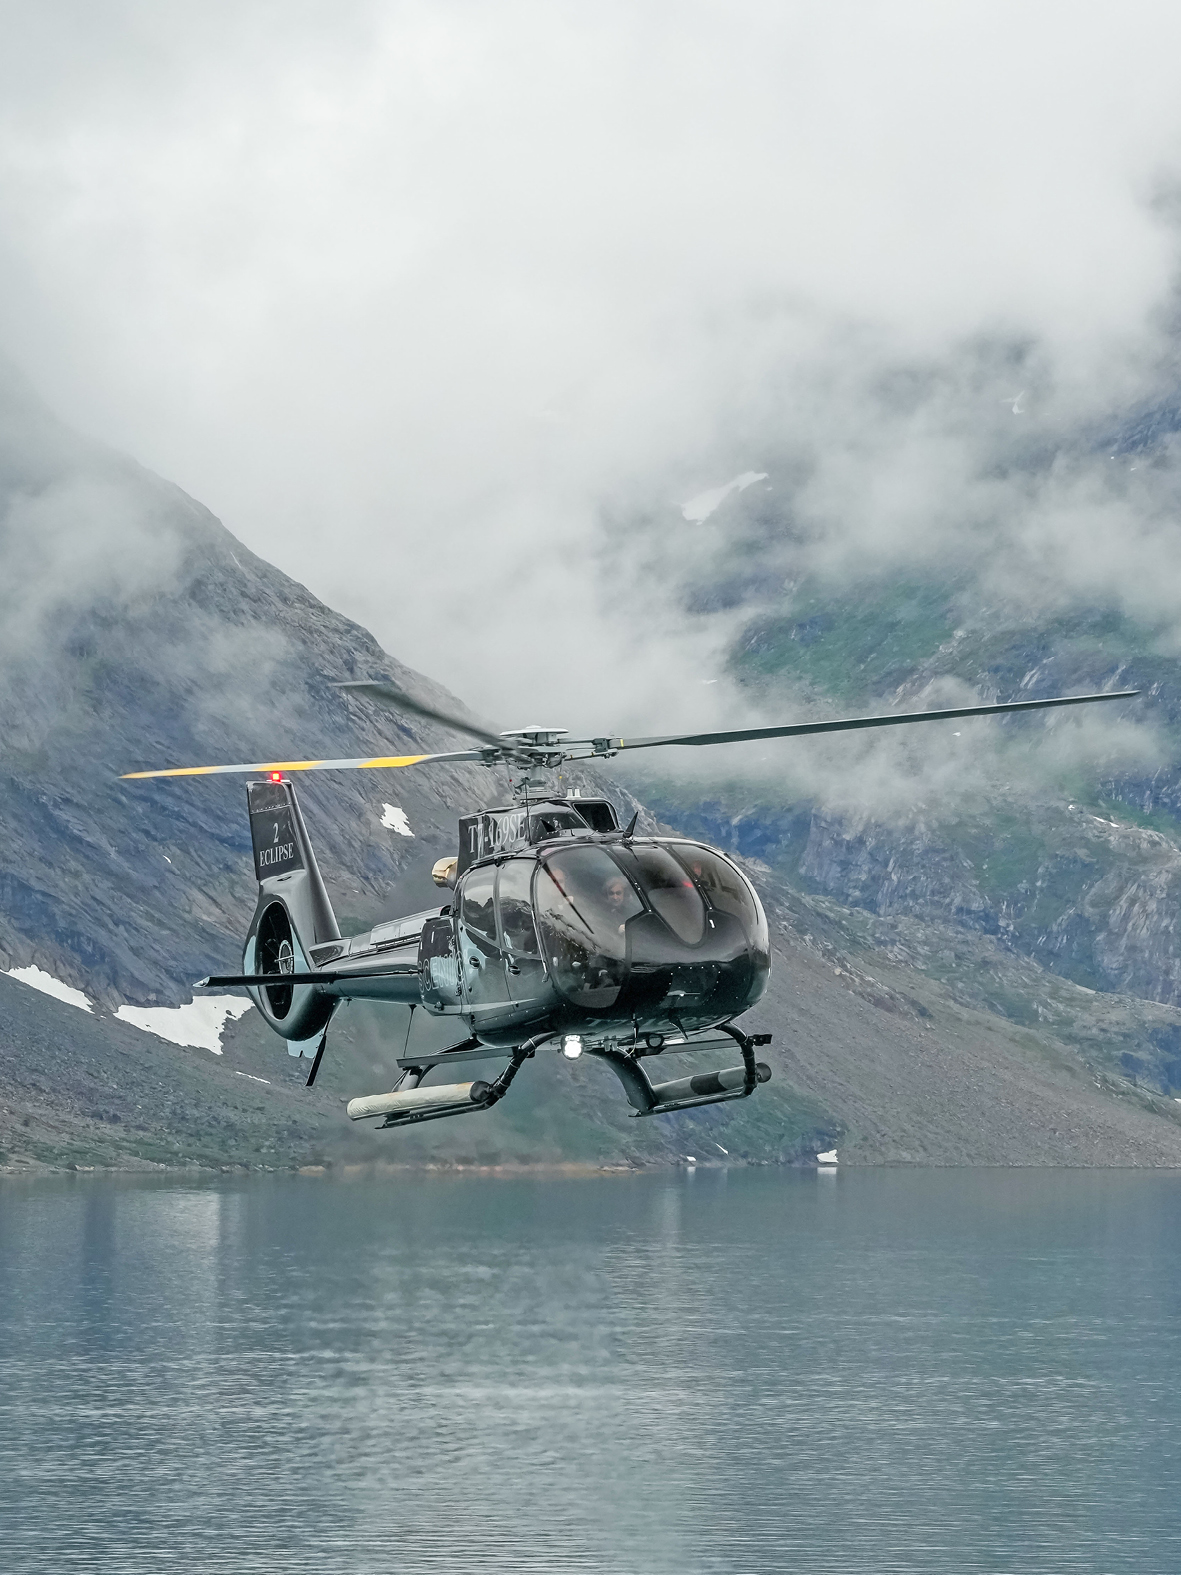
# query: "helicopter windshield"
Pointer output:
{"type": "Point", "coordinates": [623, 928]}
{"type": "Point", "coordinates": [671, 892]}
{"type": "Point", "coordinates": [583, 902]}
{"type": "Point", "coordinates": [727, 890]}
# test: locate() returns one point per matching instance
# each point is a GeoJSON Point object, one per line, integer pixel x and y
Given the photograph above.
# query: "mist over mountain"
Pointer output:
{"type": "Point", "coordinates": [1049, 564]}
{"type": "Point", "coordinates": [334, 279]}
{"type": "Point", "coordinates": [138, 631]}
{"type": "Point", "coordinates": [912, 1020]}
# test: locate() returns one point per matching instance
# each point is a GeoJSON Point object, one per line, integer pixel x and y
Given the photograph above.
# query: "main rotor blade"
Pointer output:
{"type": "Point", "coordinates": [387, 694]}
{"type": "Point", "coordinates": [848, 724]}
{"type": "Point", "coordinates": [378, 762]}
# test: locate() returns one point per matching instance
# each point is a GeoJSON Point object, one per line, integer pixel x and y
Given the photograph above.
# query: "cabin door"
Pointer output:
{"type": "Point", "coordinates": [522, 954]}
{"type": "Point", "coordinates": [481, 961]}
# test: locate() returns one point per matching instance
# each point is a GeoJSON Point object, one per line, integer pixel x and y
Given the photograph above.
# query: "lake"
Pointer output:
{"type": "Point", "coordinates": [701, 1371]}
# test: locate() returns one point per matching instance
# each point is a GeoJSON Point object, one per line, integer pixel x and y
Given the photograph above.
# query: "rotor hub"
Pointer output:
{"type": "Point", "coordinates": [537, 737]}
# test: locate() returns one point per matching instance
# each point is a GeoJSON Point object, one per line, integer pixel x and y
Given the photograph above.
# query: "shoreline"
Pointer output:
{"type": "Point", "coordinates": [360, 1170]}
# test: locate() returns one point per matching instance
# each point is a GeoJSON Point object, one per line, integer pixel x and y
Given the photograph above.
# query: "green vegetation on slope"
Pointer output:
{"type": "Point", "coordinates": [847, 647]}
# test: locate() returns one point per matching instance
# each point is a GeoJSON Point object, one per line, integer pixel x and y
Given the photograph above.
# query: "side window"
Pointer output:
{"type": "Point", "coordinates": [475, 905]}
{"type": "Point", "coordinates": [554, 823]}
{"type": "Point", "coordinates": [516, 911]}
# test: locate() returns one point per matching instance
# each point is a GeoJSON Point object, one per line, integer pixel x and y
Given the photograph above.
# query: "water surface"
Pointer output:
{"type": "Point", "coordinates": [710, 1371]}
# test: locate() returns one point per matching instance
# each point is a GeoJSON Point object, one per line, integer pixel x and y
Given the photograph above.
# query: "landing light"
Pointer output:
{"type": "Point", "coordinates": [572, 1047]}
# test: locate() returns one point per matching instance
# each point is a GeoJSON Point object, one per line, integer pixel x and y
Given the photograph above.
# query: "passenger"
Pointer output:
{"type": "Point", "coordinates": [616, 894]}
{"type": "Point", "coordinates": [707, 879]}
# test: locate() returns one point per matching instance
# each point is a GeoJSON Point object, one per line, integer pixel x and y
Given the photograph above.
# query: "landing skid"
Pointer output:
{"type": "Point", "coordinates": [454, 1099]}
{"type": "Point", "coordinates": [707, 1088]}
{"type": "Point", "coordinates": [409, 1103]}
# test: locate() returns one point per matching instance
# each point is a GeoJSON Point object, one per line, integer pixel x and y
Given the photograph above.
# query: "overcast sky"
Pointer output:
{"type": "Point", "coordinates": [415, 296]}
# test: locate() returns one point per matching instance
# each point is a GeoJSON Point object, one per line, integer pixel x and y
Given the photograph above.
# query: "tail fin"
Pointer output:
{"type": "Point", "coordinates": [285, 864]}
{"type": "Point", "coordinates": [293, 915]}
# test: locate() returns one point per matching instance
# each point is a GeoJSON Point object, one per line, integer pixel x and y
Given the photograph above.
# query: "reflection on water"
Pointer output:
{"type": "Point", "coordinates": [715, 1372]}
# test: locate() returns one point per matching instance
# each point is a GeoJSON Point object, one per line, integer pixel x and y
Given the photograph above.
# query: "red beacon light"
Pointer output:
{"type": "Point", "coordinates": [276, 776]}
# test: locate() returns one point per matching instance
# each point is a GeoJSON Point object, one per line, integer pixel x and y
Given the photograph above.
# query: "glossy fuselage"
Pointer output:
{"type": "Point", "coordinates": [600, 935]}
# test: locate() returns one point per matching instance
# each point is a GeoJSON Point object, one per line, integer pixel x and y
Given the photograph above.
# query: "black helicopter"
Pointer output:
{"type": "Point", "coordinates": [564, 928]}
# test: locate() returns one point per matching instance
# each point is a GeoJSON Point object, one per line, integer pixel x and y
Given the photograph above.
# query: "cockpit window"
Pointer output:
{"type": "Point", "coordinates": [475, 904]}
{"type": "Point", "coordinates": [516, 912]}
{"type": "Point", "coordinates": [726, 888]}
{"type": "Point", "coordinates": [582, 893]}
{"type": "Point", "coordinates": [583, 902]}
{"type": "Point", "coordinates": [671, 892]}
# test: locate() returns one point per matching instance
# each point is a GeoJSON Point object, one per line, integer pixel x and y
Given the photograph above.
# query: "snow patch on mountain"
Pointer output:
{"type": "Point", "coordinates": [48, 985]}
{"type": "Point", "coordinates": [703, 505]}
{"type": "Point", "coordinates": [199, 1025]}
{"type": "Point", "coordinates": [394, 819]}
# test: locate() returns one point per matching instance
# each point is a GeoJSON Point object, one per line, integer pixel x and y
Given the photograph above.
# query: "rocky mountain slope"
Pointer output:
{"type": "Point", "coordinates": [1049, 844]}
{"type": "Point", "coordinates": [915, 1020]}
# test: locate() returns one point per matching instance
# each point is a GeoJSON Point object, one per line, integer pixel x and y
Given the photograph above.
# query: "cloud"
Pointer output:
{"type": "Point", "coordinates": [438, 305]}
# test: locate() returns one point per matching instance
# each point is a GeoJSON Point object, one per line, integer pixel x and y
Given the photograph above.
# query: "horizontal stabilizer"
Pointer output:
{"type": "Point", "coordinates": [218, 981]}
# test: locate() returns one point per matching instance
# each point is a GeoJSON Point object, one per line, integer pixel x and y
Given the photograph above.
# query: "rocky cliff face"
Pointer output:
{"type": "Point", "coordinates": [1098, 901]}
{"type": "Point", "coordinates": [1062, 848]}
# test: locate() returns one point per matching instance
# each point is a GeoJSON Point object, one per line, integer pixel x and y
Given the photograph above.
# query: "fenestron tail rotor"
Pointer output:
{"type": "Point", "coordinates": [547, 748]}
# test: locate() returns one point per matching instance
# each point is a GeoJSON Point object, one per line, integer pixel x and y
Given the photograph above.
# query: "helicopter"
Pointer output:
{"type": "Point", "coordinates": [563, 928]}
